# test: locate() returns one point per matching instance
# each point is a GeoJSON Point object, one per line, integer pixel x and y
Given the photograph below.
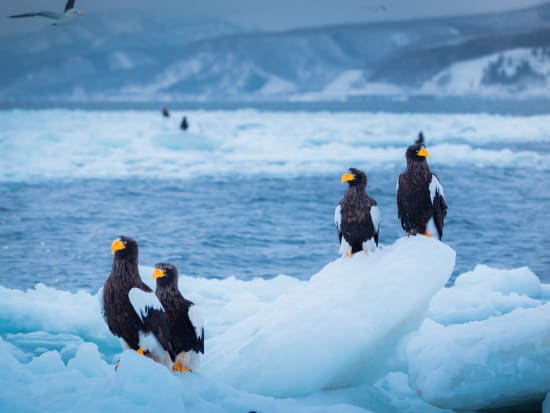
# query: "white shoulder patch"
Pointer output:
{"type": "Point", "coordinates": [196, 320]}
{"type": "Point", "coordinates": [338, 217]}
{"type": "Point", "coordinates": [143, 301]}
{"type": "Point", "coordinates": [375, 217]}
{"type": "Point", "coordinates": [345, 248]}
{"type": "Point", "coordinates": [435, 187]}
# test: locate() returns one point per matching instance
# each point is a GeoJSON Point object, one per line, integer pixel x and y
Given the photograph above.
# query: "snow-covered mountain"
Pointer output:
{"type": "Point", "coordinates": [137, 58]}
{"type": "Point", "coordinates": [523, 71]}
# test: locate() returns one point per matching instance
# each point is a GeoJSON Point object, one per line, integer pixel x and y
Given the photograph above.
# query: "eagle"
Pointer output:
{"type": "Point", "coordinates": [356, 216]}
{"type": "Point", "coordinates": [421, 205]}
{"type": "Point", "coordinates": [184, 320]}
{"type": "Point", "coordinates": [131, 309]}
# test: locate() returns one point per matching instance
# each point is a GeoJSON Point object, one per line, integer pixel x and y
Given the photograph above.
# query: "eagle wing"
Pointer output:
{"type": "Point", "coordinates": [49, 14]}
{"type": "Point", "coordinates": [152, 314]}
{"type": "Point", "coordinates": [69, 5]}
{"type": "Point", "coordinates": [338, 221]}
{"type": "Point", "coordinates": [400, 204]}
{"type": "Point", "coordinates": [438, 203]}
{"type": "Point", "coordinates": [375, 218]}
{"type": "Point", "coordinates": [196, 320]}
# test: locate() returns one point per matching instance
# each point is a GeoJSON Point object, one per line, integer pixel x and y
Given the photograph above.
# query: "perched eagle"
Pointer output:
{"type": "Point", "coordinates": [184, 321]}
{"type": "Point", "coordinates": [421, 204]}
{"type": "Point", "coordinates": [357, 217]}
{"type": "Point", "coordinates": [131, 309]}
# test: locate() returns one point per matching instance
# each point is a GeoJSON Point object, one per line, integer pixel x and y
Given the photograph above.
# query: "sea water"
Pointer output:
{"type": "Point", "coordinates": [252, 194]}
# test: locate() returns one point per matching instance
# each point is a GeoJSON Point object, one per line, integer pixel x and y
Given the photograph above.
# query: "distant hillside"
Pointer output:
{"type": "Point", "coordinates": [138, 58]}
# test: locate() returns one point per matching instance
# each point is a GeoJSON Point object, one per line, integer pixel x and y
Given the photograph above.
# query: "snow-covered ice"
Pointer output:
{"type": "Point", "coordinates": [498, 362]}
{"type": "Point", "coordinates": [336, 327]}
{"type": "Point", "coordinates": [485, 343]}
{"type": "Point", "coordinates": [124, 144]}
{"type": "Point", "coordinates": [368, 334]}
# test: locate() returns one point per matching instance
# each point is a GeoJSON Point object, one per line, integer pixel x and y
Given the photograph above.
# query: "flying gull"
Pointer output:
{"type": "Point", "coordinates": [58, 18]}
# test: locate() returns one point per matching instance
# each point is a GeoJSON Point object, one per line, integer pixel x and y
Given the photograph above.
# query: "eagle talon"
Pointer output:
{"type": "Point", "coordinates": [427, 234]}
{"type": "Point", "coordinates": [140, 351]}
{"type": "Point", "coordinates": [350, 254]}
{"type": "Point", "coordinates": [180, 368]}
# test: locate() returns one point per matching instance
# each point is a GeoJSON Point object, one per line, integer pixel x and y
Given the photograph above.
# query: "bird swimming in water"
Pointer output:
{"type": "Point", "coordinates": [184, 321]}
{"type": "Point", "coordinates": [130, 308]}
{"type": "Point", "coordinates": [184, 125]}
{"type": "Point", "coordinates": [59, 19]}
{"type": "Point", "coordinates": [357, 217]}
{"type": "Point", "coordinates": [421, 205]}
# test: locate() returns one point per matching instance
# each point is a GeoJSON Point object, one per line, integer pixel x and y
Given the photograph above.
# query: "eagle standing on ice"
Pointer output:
{"type": "Point", "coordinates": [357, 217]}
{"type": "Point", "coordinates": [184, 321]}
{"type": "Point", "coordinates": [130, 308]}
{"type": "Point", "coordinates": [421, 204]}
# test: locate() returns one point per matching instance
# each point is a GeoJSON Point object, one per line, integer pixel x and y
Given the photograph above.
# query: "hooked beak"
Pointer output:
{"type": "Point", "coordinates": [423, 152]}
{"type": "Point", "coordinates": [347, 177]}
{"type": "Point", "coordinates": [158, 273]}
{"type": "Point", "coordinates": [117, 245]}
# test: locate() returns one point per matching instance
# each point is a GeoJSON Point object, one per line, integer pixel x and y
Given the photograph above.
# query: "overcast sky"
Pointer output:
{"type": "Point", "coordinates": [262, 14]}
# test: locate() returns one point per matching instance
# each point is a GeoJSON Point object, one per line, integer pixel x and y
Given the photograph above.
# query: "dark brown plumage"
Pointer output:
{"type": "Point", "coordinates": [186, 330]}
{"type": "Point", "coordinates": [130, 308]}
{"type": "Point", "coordinates": [356, 216]}
{"type": "Point", "coordinates": [184, 124]}
{"type": "Point", "coordinates": [421, 205]}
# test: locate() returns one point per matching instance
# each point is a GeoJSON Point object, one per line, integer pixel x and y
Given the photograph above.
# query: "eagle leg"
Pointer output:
{"type": "Point", "coordinates": [427, 234]}
{"type": "Point", "coordinates": [349, 254]}
{"type": "Point", "coordinates": [178, 367]}
{"type": "Point", "coordinates": [140, 351]}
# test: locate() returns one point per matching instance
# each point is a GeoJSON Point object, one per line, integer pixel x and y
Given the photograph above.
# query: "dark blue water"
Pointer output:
{"type": "Point", "coordinates": [411, 104]}
{"type": "Point", "coordinates": [59, 232]}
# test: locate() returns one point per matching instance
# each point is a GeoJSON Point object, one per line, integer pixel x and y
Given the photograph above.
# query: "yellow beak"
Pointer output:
{"type": "Point", "coordinates": [158, 273]}
{"type": "Point", "coordinates": [347, 177]}
{"type": "Point", "coordinates": [423, 152]}
{"type": "Point", "coordinates": [117, 245]}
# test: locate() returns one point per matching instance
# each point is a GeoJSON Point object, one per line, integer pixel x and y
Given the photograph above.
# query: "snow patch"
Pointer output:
{"type": "Point", "coordinates": [498, 74]}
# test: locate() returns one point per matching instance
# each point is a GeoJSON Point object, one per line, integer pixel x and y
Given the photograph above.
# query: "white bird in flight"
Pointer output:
{"type": "Point", "coordinates": [59, 18]}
